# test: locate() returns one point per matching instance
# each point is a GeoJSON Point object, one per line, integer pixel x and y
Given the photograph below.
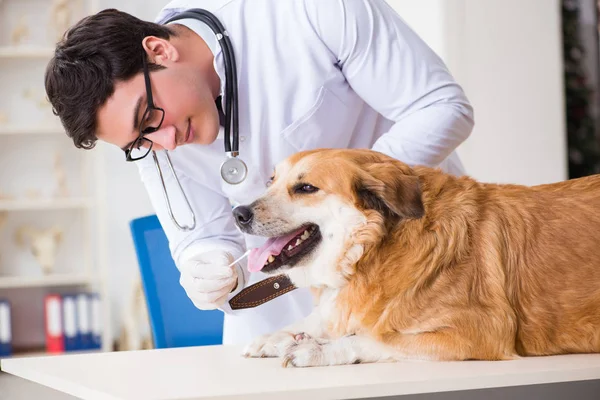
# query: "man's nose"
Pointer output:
{"type": "Point", "coordinates": [164, 137]}
{"type": "Point", "coordinates": [243, 215]}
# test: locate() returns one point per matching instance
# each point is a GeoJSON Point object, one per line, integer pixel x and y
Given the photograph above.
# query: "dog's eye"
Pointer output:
{"type": "Point", "coordinates": [305, 188]}
{"type": "Point", "coordinates": [270, 181]}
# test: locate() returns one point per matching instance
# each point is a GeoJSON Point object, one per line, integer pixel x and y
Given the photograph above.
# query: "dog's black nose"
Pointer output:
{"type": "Point", "coordinates": [243, 215]}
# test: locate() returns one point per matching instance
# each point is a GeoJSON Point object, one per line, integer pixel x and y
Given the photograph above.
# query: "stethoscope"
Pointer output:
{"type": "Point", "coordinates": [233, 169]}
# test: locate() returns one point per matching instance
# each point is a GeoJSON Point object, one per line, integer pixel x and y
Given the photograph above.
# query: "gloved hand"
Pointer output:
{"type": "Point", "coordinates": [207, 277]}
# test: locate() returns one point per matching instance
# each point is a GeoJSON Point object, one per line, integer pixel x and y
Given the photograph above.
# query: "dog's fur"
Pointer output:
{"type": "Point", "coordinates": [417, 263]}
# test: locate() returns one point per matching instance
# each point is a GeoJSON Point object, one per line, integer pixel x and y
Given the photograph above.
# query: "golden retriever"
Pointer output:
{"type": "Point", "coordinates": [416, 263]}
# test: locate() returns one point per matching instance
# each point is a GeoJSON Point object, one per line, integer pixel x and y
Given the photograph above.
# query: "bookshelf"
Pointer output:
{"type": "Point", "coordinates": [48, 281]}
{"type": "Point", "coordinates": [20, 52]}
{"type": "Point", "coordinates": [45, 182]}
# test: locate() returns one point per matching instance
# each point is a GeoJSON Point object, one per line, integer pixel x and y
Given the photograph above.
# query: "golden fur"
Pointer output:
{"type": "Point", "coordinates": [455, 269]}
{"type": "Point", "coordinates": [417, 263]}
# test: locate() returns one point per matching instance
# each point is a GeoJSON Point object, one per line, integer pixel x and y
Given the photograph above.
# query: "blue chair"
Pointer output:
{"type": "Point", "coordinates": [174, 320]}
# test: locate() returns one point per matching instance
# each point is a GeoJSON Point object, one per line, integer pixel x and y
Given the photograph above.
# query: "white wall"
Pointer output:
{"type": "Point", "coordinates": [506, 55]}
{"type": "Point", "coordinates": [513, 72]}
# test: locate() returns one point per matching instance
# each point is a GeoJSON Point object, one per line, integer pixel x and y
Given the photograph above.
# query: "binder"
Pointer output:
{"type": "Point", "coordinates": [71, 338]}
{"type": "Point", "coordinates": [84, 329]}
{"type": "Point", "coordinates": [5, 329]}
{"type": "Point", "coordinates": [96, 320]}
{"type": "Point", "coordinates": [54, 324]}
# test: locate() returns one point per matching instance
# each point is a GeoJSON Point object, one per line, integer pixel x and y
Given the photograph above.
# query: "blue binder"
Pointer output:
{"type": "Point", "coordinates": [84, 326]}
{"type": "Point", "coordinates": [70, 332]}
{"type": "Point", "coordinates": [5, 329]}
{"type": "Point", "coordinates": [96, 320]}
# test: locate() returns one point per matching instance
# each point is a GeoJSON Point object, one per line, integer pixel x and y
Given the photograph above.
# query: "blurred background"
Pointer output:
{"type": "Point", "coordinates": [530, 69]}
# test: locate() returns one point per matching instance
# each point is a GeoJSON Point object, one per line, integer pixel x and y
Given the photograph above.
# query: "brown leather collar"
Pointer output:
{"type": "Point", "coordinates": [262, 292]}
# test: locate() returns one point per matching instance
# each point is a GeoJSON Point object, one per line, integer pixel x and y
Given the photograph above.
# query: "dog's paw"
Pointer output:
{"type": "Point", "coordinates": [308, 352]}
{"type": "Point", "coordinates": [272, 345]}
{"type": "Point", "coordinates": [302, 337]}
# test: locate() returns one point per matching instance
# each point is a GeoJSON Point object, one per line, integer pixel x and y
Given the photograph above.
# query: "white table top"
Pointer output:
{"type": "Point", "coordinates": [221, 372]}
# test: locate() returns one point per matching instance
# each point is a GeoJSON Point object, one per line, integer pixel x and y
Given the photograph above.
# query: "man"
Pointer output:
{"type": "Point", "coordinates": [311, 73]}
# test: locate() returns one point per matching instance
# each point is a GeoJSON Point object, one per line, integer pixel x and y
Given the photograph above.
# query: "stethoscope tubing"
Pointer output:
{"type": "Point", "coordinates": [231, 90]}
{"type": "Point", "coordinates": [231, 108]}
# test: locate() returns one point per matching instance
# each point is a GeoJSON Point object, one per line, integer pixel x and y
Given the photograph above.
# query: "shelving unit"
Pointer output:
{"type": "Point", "coordinates": [31, 130]}
{"type": "Point", "coordinates": [46, 204]}
{"type": "Point", "coordinates": [13, 282]}
{"type": "Point", "coordinates": [41, 52]}
{"type": "Point", "coordinates": [40, 352]}
{"type": "Point", "coordinates": [33, 193]}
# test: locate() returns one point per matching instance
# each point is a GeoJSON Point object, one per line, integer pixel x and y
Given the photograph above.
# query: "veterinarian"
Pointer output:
{"type": "Point", "coordinates": [310, 74]}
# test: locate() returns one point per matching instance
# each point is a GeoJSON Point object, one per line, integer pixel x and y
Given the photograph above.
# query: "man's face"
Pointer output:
{"type": "Point", "coordinates": [190, 113]}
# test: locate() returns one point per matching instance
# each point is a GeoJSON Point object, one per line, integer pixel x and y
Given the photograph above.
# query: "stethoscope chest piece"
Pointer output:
{"type": "Point", "coordinates": [233, 169]}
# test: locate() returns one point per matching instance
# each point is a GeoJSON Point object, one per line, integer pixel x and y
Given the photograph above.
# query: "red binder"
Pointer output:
{"type": "Point", "coordinates": [54, 327]}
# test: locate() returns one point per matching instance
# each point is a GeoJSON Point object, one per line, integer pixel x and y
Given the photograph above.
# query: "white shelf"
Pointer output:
{"type": "Point", "coordinates": [26, 52]}
{"type": "Point", "coordinates": [11, 282]}
{"type": "Point", "coordinates": [41, 352]}
{"type": "Point", "coordinates": [44, 204]}
{"type": "Point", "coordinates": [32, 130]}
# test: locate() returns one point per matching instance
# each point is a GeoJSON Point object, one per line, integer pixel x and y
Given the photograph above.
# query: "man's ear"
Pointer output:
{"type": "Point", "coordinates": [384, 187]}
{"type": "Point", "coordinates": [160, 51]}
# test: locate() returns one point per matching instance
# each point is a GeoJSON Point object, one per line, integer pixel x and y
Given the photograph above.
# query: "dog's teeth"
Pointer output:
{"type": "Point", "coordinates": [298, 242]}
{"type": "Point", "coordinates": [271, 259]}
{"type": "Point", "coordinates": [290, 247]}
{"type": "Point", "coordinates": [305, 235]}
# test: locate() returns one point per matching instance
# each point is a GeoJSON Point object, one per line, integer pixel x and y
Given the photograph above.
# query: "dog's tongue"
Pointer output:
{"type": "Point", "coordinates": [273, 246]}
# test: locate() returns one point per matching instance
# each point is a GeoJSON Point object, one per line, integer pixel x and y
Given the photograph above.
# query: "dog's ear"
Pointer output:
{"type": "Point", "coordinates": [388, 189]}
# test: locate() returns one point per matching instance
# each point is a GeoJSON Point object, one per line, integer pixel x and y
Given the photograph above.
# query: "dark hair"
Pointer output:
{"type": "Point", "coordinates": [93, 55]}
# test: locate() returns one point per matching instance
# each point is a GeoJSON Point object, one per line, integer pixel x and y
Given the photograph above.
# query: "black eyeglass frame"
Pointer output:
{"type": "Point", "coordinates": [143, 131]}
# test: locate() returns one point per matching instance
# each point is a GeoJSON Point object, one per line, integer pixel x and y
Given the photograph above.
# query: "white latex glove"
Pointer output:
{"type": "Point", "coordinates": [207, 277]}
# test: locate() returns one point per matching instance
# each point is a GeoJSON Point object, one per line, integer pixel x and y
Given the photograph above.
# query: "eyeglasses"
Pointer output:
{"type": "Point", "coordinates": [141, 147]}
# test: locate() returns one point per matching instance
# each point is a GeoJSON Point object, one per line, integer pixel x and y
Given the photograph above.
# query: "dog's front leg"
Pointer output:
{"type": "Point", "coordinates": [277, 344]}
{"type": "Point", "coordinates": [352, 349]}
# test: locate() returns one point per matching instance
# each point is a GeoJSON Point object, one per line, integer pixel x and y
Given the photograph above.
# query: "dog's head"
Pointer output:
{"type": "Point", "coordinates": [321, 209]}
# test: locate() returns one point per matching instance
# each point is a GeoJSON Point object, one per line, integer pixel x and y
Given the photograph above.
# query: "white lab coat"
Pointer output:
{"type": "Point", "coordinates": [311, 74]}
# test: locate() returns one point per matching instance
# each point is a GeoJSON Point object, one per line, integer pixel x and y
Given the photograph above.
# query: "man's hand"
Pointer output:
{"type": "Point", "coordinates": [207, 277]}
